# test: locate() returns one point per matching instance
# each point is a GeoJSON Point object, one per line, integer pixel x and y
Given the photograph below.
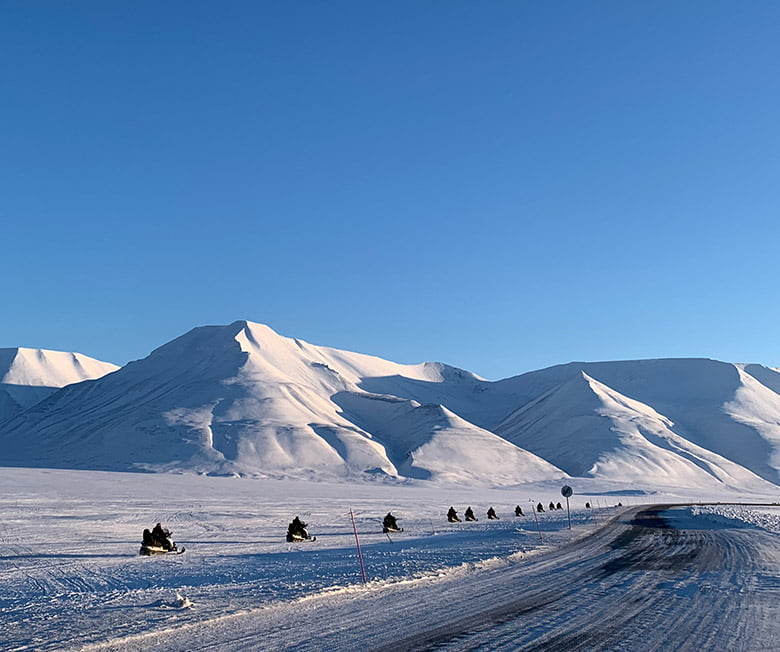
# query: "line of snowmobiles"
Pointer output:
{"type": "Point", "coordinates": [158, 541]}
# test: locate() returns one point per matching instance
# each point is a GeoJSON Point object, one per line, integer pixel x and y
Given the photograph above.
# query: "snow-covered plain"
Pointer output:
{"type": "Point", "coordinates": [71, 577]}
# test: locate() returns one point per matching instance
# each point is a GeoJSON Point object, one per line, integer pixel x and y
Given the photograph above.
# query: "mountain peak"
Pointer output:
{"type": "Point", "coordinates": [241, 398]}
{"type": "Point", "coordinates": [44, 368]}
{"type": "Point", "coordinates": [27, 376]}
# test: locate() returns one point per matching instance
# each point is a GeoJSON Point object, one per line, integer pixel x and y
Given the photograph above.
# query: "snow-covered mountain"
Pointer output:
{"type": "Point", "coordinates": [243, 399]}
{"type": "Point", "coordinates": [718, 406]}
{"type": "Point", "coordinates": [27, 376]}
{"type": "Point", "coordinates": [589, 429]}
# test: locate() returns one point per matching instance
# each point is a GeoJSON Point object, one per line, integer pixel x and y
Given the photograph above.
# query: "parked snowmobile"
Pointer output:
{"type": "Point", "coordinates": [539, 507]}
{"type": "Point", "coordinates": [297, 531]}
{"type": "Point", "coordinates": [158, 541]}
{"type": "Point", "coordinates": [491, 514]}
{"type": "Point", "coordinates": [519, 511]}
{"type": "Point", "coordinates": [389, 524]}
{"type": "Point", "coordinates": [452, 516]}
{"type": "Point", "coordinates": [552, 506]}
{"type": "Point", "coordinates": [469, 515]}
{"type": "Point", "coordinates": [558, 506]}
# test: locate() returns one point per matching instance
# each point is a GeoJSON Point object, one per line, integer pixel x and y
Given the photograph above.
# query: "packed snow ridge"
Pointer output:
{"type": "Point", "coordinates": [244, 400]}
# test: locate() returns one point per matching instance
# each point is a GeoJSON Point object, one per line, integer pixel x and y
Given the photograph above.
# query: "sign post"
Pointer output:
{"type": "Point", "coordinates": [566, 491]}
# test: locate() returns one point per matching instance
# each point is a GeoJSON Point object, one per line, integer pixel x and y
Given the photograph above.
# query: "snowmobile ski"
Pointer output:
{"type": "Point", "coordinates": [148, 551]}
{"type": "Point", "coordinates": [390, 529]}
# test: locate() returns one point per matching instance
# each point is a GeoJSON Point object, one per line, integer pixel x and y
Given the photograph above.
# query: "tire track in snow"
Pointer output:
{"type": "Point", "coordinates": [665, 587]}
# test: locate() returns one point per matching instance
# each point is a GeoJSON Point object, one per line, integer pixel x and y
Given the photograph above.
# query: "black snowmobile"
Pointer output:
{"type": "Point", "coordinates": [158, 542]}
{"type": "Point", "coordinates": [389, 524]}
{"type": "Point", "coordinates": [491, 514]}
{"type": "Point", "coordinates": [297, 532]}
{"type": "Point", "coordinates": [452, 516]}
{"type": "Point", "coordinates": [469, 515]}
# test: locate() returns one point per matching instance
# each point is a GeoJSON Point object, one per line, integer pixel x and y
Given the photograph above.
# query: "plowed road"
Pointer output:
{"type": "Point", "coordinates": [652, 579]}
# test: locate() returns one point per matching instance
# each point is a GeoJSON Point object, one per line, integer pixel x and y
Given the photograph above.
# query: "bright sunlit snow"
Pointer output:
{"type": "Point", "coordinates": [72, 575]}
{"type": "Point", "coordinates": [241, 399]}
{"type": "Point", "coordinates": [27, 376]}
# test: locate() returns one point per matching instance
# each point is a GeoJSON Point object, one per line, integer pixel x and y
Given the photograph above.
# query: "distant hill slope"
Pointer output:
{"type": "Point", "coordinates": [27, 376]}
{"type": "Point", "coordinates": [589, 429]}
{"type": "Point", "coordinates": [718, 406]}
{"type": "Point", "coordinates": [242, 399]}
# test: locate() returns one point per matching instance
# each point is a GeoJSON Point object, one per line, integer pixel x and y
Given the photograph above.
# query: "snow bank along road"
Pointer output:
{"type": "Point", "coordinates": [653, 578]}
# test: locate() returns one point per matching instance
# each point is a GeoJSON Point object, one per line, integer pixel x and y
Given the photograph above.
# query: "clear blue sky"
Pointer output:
{"type": "Point", "coordinates": [501, 186]}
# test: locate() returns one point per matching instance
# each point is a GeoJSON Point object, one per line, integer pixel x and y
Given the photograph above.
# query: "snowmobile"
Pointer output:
{"type": "Point", "coordinates": [491, 514]}
{"type": "Point", "coordinates": [297, 532]}
{"type": "Point", "coordinates": [452, 516]}
{"type": "Point", "coordinates": [469, 515]}
{"type": "Point", "coordinates": [389, 524]}
{"type": "Point", "coordinates": [156, 545]}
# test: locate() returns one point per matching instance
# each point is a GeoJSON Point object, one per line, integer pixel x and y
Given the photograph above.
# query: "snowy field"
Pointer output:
{"type": "Point", "coordinates": [71, 577]}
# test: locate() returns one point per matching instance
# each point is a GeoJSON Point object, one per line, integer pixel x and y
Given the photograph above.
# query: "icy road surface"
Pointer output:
{"type": "Point", "coordinates": [652, 579]}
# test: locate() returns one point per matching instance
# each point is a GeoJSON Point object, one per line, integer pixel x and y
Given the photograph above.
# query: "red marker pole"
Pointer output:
{"type": "Point", "coordinates": [536, 518]}
{"type": "Point", "coordinates": [357, 543]}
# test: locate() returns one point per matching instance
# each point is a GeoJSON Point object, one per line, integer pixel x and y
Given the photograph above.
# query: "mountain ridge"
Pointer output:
{"type": "Point", "coordinates": [242, 399]}
{"type": "Point", "coordinates": [27, 376]}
